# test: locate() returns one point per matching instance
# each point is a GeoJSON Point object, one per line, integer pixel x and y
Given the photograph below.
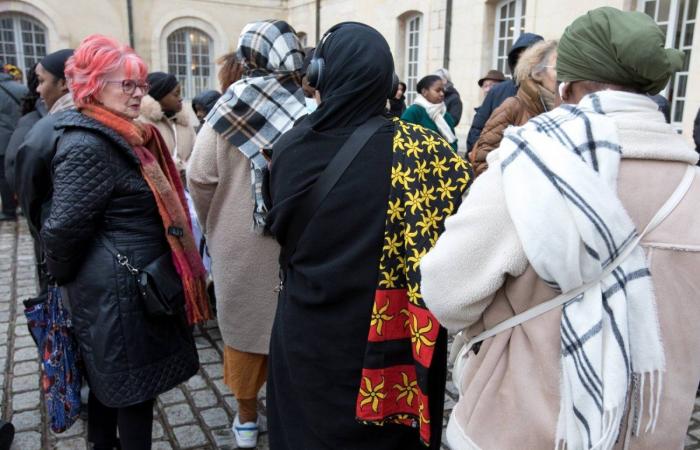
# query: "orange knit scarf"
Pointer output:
{"type": "Point", "coordinates": [161, 175]}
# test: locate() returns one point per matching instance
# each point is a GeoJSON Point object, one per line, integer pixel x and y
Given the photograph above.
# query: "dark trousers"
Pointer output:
{"type": "Point", "coordinates": [7, 195]}
{"type": "Point", "coordinates": [135, 424]}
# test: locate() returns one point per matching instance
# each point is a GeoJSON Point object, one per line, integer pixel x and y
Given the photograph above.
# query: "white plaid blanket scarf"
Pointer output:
{"type": "Point", "coordinates": [560, 182]}
{"type": "Point", "coordinates": [255, 111]}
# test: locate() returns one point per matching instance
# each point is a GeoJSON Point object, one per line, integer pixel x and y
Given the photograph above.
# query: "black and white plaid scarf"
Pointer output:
{"type": "Point", "coordinates": [255, 111]}
{"type": "Point", "coordinates": [560, 182]}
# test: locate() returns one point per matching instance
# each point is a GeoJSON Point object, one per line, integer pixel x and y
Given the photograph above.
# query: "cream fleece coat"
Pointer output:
{"type": "Point", "coordinates": [477, 276]}
{"type": "Point", "coordinates": [179, 134]}
{"type": "Point", "coordinates": [244, 263]}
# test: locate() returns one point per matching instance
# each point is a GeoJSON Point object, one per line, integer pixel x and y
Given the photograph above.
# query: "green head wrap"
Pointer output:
{"type": "Point", "coordinates": [613, 46]}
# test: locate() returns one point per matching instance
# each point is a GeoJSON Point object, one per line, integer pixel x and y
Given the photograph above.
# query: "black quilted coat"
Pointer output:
{"type": "Point", "coordinates": [99, 191]}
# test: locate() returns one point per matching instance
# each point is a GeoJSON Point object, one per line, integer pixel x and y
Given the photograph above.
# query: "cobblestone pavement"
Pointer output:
{"type": "Point", "coordinates": [195, 415]}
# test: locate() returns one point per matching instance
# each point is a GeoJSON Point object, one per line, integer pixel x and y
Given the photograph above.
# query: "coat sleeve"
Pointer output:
{"type": "Point", "coordinates": [492, 134]}
{"type": "Point", "coordinates": [83, 183]}
{"type": "Point", "coordinates": [472, 258]}
{"type": "Point", "coordinates": [482, 115]}
{"type": "Point", "coordinates": [455, 108]}
{"type": "Point", "coordinates": [203, 172]}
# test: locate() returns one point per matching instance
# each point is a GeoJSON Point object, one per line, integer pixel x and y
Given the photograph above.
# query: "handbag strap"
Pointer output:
{"type": "Point", "coordinates": [559, 300]}
{"type": "Point", "coordinates": [122, 259]}
{"type": "Point", "coordinates": [325, 183]}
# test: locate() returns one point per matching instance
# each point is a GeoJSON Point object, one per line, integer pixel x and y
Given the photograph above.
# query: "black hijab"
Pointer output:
{"type": "Point", "coordinates": [356, 78]}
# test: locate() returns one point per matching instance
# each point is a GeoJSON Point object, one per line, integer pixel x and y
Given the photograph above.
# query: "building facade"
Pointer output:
{"type": "Point", "coordinates": [469, 37]}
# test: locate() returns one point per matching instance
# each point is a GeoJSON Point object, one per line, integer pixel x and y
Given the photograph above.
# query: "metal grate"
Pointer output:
{"type": "Point", "coordinates": [190, 60]}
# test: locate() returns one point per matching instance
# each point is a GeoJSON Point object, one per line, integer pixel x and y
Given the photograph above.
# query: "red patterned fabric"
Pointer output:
{"type": "Point", "coordinates": [427, 182]}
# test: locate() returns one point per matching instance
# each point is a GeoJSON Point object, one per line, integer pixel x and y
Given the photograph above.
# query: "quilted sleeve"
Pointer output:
{"type": "Point", "coordinates": [83, 184]}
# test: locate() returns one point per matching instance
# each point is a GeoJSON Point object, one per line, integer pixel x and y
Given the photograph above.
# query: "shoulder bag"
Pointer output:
{"type": "Point", "coordinates": [158, 284]}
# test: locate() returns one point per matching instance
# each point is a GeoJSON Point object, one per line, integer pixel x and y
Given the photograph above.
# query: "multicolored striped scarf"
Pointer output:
{"type": "Point", "coordinates": [161, 175]}
{"type": "Point", "coordinates": [427, 182]}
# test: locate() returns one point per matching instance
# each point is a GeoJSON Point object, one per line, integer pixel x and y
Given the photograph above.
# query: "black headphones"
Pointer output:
{"type": "Point", "coordinates": [314, 73]}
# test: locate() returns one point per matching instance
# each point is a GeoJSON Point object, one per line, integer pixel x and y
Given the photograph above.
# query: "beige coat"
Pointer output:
{"type": "Point", "coordinates": [244, 263]}
{"type": "Point", "coordinates": [478, 275]}
{"type": "Point", "coordinates": [178, 132]}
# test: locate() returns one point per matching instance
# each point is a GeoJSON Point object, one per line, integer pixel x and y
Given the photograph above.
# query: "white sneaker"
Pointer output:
{"type": "Point", "coordinates": [246, 434]}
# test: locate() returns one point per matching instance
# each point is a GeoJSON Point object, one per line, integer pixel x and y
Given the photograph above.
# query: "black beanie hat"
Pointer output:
{"type": "Point", "coordinates": [161, 84]}
{"type": "Point", "coordinates": [55, 63]}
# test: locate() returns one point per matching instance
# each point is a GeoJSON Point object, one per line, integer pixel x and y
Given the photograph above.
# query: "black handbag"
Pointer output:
{"type": "Point", "coordinates": [158, 284]}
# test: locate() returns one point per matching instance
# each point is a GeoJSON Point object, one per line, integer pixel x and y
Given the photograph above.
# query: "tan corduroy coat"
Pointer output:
{"type": "Point", "coordinates": [179, 134]}
{"type": "Point", "coordinates": [478, 275]}
{"type": "Point", "coordinates": [244, 263]}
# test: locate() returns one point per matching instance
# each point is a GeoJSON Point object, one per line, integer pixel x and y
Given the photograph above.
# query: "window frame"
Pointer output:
{"type": "Point", "coordinates": [19, 43]}
{"type": "Point", "coordinates": [189, 84]}
{"type": "Point", "coordinates": [519, 9]}
{"type": "Point", "coordinates": [412, 80]}
{"type": "Point", "coordinates": [676, 25]}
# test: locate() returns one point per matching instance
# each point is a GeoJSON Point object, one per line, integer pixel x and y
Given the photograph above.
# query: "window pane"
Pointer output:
{"type": "Point", "coordinates": [678, 113]}
{"type": "Point", "coordinates": [523, 7]}
{"type": "Point", "coordinates": [686, 62]}
{"type": "Point", "coordinates": [650, 8]}
{"type": "Point", "coordinates": [692, 9]}
{"type": "Point", "coordinates": [689, 29]}
{"type": "Point", "coordinates": [664, 9]}
{"type": "Point", "coordinates": [682, 84]}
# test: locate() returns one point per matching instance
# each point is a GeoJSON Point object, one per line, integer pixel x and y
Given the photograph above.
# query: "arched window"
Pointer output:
{"type": "Point", "coordinates": [22, 40]}
{"type": "Point", "coordinates": [510, 22]}
{"type": "Point", "coordinates": [676, 18]}
{"type": "Point", "coordinates": [190, 60]}
{"type": "Point", "coordinates": [412, 55]}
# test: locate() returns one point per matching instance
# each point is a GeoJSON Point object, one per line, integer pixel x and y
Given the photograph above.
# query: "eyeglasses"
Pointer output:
{"type": "Point", "coordinates": [129, 86]}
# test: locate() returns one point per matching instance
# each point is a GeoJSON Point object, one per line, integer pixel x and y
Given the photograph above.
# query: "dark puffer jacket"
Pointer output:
{"type": "Point", "coordinates": [99, 191]}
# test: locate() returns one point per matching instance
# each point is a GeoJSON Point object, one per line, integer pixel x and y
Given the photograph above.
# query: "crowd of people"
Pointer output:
{"type": "Point", "coordinates": [336, 234]}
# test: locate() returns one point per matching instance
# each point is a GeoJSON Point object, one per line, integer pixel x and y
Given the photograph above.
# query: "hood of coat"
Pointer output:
{"type": "Point", "coordinates": [152, 111]}
{"type": "Point", "coordinates": [524, 41]}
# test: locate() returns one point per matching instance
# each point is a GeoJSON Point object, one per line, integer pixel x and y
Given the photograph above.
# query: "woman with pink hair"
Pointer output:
{"type": "Point", "coordinates": [118, 226]}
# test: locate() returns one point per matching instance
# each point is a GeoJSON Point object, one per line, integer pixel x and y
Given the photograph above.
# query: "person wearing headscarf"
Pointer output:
{"type": "Point", "coordinates": [225, 181]}
{"type": "Point", "coordinates": [162, 108]}
{"type": "Point", "coordinates": [429, 109]}
{"type": "Point", "coordinates": [537, 94]}
{"type": "Point", "coordinates": [342, 358]}
{"type": "Point", "coordinates": [592, 205]}
{"type": "Point", "coordinates": [453, 102]}
{"type": "Point", "coordinates": [397, 102]}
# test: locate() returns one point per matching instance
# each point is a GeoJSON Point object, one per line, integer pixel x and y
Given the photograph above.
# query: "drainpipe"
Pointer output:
{"type": "Point", "coordinates": [318, 21]}
{"type": "Point", "coordinates": [130, 19]}
{"type": "Point", "coordinates": [448, 34]}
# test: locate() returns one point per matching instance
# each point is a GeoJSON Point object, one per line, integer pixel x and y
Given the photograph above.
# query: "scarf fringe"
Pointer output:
{"type": "Point", "coordinates": [612, 419]}
{"type": "Point", "coordinates": [652, 406]}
